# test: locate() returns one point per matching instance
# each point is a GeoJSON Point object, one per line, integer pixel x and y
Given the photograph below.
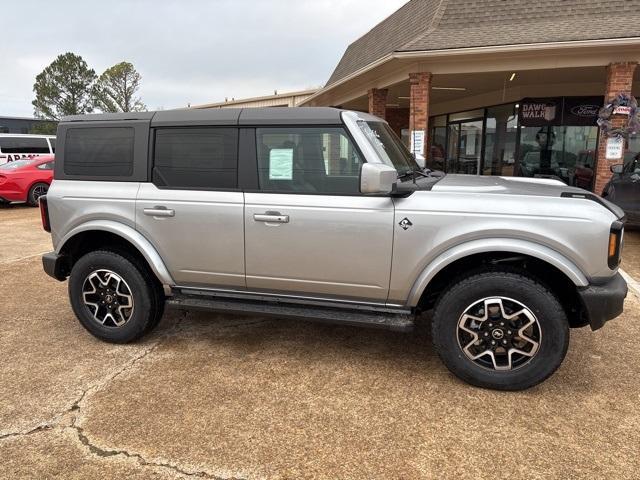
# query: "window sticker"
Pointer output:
{"type": "Point", "coordinates": [281, 164]}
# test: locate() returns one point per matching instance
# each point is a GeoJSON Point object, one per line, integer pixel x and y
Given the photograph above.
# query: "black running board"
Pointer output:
{"type": "Point", "coordinates": [386, 318]}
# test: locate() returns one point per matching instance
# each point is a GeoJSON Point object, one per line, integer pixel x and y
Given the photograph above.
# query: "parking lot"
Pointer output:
{"type": "Point", "coordinates": [217, 396]}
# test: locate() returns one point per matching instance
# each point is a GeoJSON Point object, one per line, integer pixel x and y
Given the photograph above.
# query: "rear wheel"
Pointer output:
{"type": "Point", "coordinates": [500, 330]}
{"type": "Point", "coordinates": [35, 192]}
{"type": "Point", "coordinates": [114, 297]}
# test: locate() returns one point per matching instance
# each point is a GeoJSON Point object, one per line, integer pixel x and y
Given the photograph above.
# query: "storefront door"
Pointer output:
{"type": "Point", "coordinates": [464, 146]}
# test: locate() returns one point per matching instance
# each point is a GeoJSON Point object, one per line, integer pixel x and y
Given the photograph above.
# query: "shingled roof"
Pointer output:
{"type": "Point", "coordinates": [423, 25]}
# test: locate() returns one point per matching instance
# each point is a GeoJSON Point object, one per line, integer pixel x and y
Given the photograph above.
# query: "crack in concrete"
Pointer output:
{"type": "Point", "coordinates": [37, 429]}
{"type": "Point", "coordinates": [109, 452]}
{"type": "Point", "coordinates": [105, 452]}
{"type": "Point", "coordinates": [56, 423]}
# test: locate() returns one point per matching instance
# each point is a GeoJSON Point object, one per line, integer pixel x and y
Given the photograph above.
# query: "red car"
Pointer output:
{"type": "Point", "coordinates": [26, 180]}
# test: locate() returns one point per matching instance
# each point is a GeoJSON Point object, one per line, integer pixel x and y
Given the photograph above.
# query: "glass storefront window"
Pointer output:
{"type": "Point", "coordinates": [468, 115]}
{"type": "Point", "coordinates": [439, 121]}
{"type": "Point", "coordinates": [536, 137]}
{"type": "Point", "coordinates": [436, 160]}
{"type": "Point", "coordinates": [565, 153]}
{"type": "Point", "coordinates": [632, 155]}
{"type": "Point", "coordinates": [501, 134]}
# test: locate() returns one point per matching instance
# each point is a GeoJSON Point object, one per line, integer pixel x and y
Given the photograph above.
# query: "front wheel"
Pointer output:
{"type": "Point", "coordinates": [114, 297]}
{"type": "Point", "coordinates": [500, 330]}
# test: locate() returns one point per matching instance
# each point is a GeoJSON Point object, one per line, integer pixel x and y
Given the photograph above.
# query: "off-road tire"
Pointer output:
{"type": "Point", "coordinates": [517, 286]}
{"type": "Point", "coordinates": [148, 299]}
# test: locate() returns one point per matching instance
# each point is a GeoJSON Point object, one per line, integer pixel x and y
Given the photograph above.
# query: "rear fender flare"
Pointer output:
{"type": "Point", "coordinates": [132, 236]}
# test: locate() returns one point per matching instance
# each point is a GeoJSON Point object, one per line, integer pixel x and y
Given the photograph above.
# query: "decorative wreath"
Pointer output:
{"type": "Point", "coordinates": [633, 123]}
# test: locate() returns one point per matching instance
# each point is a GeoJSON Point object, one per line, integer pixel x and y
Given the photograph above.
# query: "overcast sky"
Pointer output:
{"type": "Point", "coordinates": [189, 51]}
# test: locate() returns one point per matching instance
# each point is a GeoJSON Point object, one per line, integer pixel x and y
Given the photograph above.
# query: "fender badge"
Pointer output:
{"type": "Point", "coordinates": [405, 223]}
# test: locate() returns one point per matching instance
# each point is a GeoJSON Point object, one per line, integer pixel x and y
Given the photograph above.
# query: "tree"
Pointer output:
{"type": "Point", "coordinates": [65, 87]}
{"type": "Point", "coordinates": [44, 128]}
{"type": "Point", "coordinates": [115, 90]}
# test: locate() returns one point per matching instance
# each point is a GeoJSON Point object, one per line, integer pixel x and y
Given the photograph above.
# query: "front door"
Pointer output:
{"type": "Point", "coordinates": [309, 232]}
{"type": "Point", "coordinates": [192, 213]}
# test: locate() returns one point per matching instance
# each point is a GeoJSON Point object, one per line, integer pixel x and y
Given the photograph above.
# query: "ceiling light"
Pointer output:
{"type": "Point", "coordinates": [392, 105]}
{"type": "Point", "coordinates": [404, 98]}
{"type": "Point", "coordinates": [457, 89]}
{"type": "Point", "coordinates": [513, 75]}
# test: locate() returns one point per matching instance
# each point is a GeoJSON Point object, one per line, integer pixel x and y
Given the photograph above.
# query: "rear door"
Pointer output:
{"type": "Point", "coordinates": [308, 230]}
{"type": "Point", "coordinates": [192, 212]}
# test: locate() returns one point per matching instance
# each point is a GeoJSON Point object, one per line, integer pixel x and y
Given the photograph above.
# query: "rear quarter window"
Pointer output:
{"type": "Point", "coordinates": [99, 151]}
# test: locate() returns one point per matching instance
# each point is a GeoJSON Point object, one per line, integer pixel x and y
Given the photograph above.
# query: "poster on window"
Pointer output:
{"type": "Point", "coordinates": [581, 111]}
{"type": "Point", "coordinates": [541, 112]}
{"type": "Point", "coordinates": [281, 164]}
{"type": "Point", "coordinates": [417, 146]}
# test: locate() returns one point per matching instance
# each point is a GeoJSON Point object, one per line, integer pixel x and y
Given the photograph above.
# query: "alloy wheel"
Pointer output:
{"type": "Point", "coordinates": [108, 298]}
{"type": "Point", "coordinates": [38, 191]}
{"type": "Point", "coordinates": [499, 333]}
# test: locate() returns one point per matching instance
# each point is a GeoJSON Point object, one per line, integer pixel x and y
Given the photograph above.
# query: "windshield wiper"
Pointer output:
{"type": "Point", "coordinates": [423, 173]}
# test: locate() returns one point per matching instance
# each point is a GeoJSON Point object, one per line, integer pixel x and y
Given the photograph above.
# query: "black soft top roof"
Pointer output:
{"type": "Point", "coordinates": [222, 116]}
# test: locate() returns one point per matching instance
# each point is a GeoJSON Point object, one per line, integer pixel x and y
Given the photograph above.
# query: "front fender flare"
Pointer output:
{"type": "Point", "coordinates": [132, 236]}
{"type": "Point", "coordinates": [523, 247]}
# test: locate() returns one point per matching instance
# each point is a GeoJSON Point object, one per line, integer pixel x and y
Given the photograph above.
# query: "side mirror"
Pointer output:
{"type": "Point", "coordinates": [617, 168]}
{"type": "Point", "coordinates": [377, 178]}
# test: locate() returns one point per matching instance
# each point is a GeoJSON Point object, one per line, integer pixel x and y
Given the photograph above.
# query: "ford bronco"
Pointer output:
{"type": "Point", "coordinates": [323, 214]}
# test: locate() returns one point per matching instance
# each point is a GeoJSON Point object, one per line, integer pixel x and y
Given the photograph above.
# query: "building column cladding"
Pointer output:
{"type": "Point", "coordinates": [619, 80]}
{"type": "Point", "coordinates": [378, 102]}
{"type": "Point", "coordinates": [420, 88]}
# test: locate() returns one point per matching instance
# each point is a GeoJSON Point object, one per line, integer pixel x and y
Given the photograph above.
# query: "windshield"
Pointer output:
{"type": "Point", "coordinates": [389, 147]}
{"type": "Point", "coordinates": [15, 164]}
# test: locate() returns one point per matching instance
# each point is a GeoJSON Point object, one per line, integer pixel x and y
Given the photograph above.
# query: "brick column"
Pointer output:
{"type": "Point", "coordinates": [420, 85]}
{"type": "Point", "coordinates": [619, 80]}
{"type": "Point", "coordinates": [378, 102]}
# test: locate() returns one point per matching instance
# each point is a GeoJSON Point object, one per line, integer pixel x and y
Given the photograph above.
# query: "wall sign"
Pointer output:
{"type": "Point", "coordinates": [573, 111]}
{"type": "Point", "coordinates": [615, 148]}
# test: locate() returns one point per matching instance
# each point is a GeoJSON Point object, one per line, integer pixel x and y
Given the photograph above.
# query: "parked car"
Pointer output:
{"type": "Point", "coordinates": [14, 146]}
{"type": "Point", "coordinates": [26, 180]}
{"type": "Point", "coordinates": [624, 189]}
{"type": "Point", "coordinates": [323, 214]}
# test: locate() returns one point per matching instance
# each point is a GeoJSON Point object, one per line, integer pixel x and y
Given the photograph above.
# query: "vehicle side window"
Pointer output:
{"type": "Point", "coordinates": [45, 166]}
{"type": "Point", "coordinates": [52, 142]}
{"type": "Point", "coordinates": [196, 158]}
{"type": "Point", "coordinates": [23, 145]}
{"type": "Point", "coordinates": [308, 160]}
{"type": "Point", "coordinates": [99, 151]}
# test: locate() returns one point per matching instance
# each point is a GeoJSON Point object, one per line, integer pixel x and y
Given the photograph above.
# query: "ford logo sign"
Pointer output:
{"type": "Point", "coordinates": [585, 110]}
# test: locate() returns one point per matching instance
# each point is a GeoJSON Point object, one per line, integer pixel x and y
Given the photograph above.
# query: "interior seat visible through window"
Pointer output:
{"type": "Point", "coordinates": [308, 160]}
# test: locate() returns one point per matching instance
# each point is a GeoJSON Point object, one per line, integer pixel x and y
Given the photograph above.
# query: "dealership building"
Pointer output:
{"type": "Point", "coordinates": [495, 87]}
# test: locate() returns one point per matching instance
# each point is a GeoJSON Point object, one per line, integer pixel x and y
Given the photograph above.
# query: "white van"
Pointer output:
{"type": "Point", "coordinates": [14, 146]}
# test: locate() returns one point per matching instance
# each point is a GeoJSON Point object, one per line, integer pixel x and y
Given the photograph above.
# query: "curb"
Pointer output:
{"type": "Point", "coordinates": [632, 283]}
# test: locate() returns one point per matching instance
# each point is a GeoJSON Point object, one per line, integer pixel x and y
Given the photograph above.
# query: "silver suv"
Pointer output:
{"type": "Point", "coordinates": [323, 214]}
